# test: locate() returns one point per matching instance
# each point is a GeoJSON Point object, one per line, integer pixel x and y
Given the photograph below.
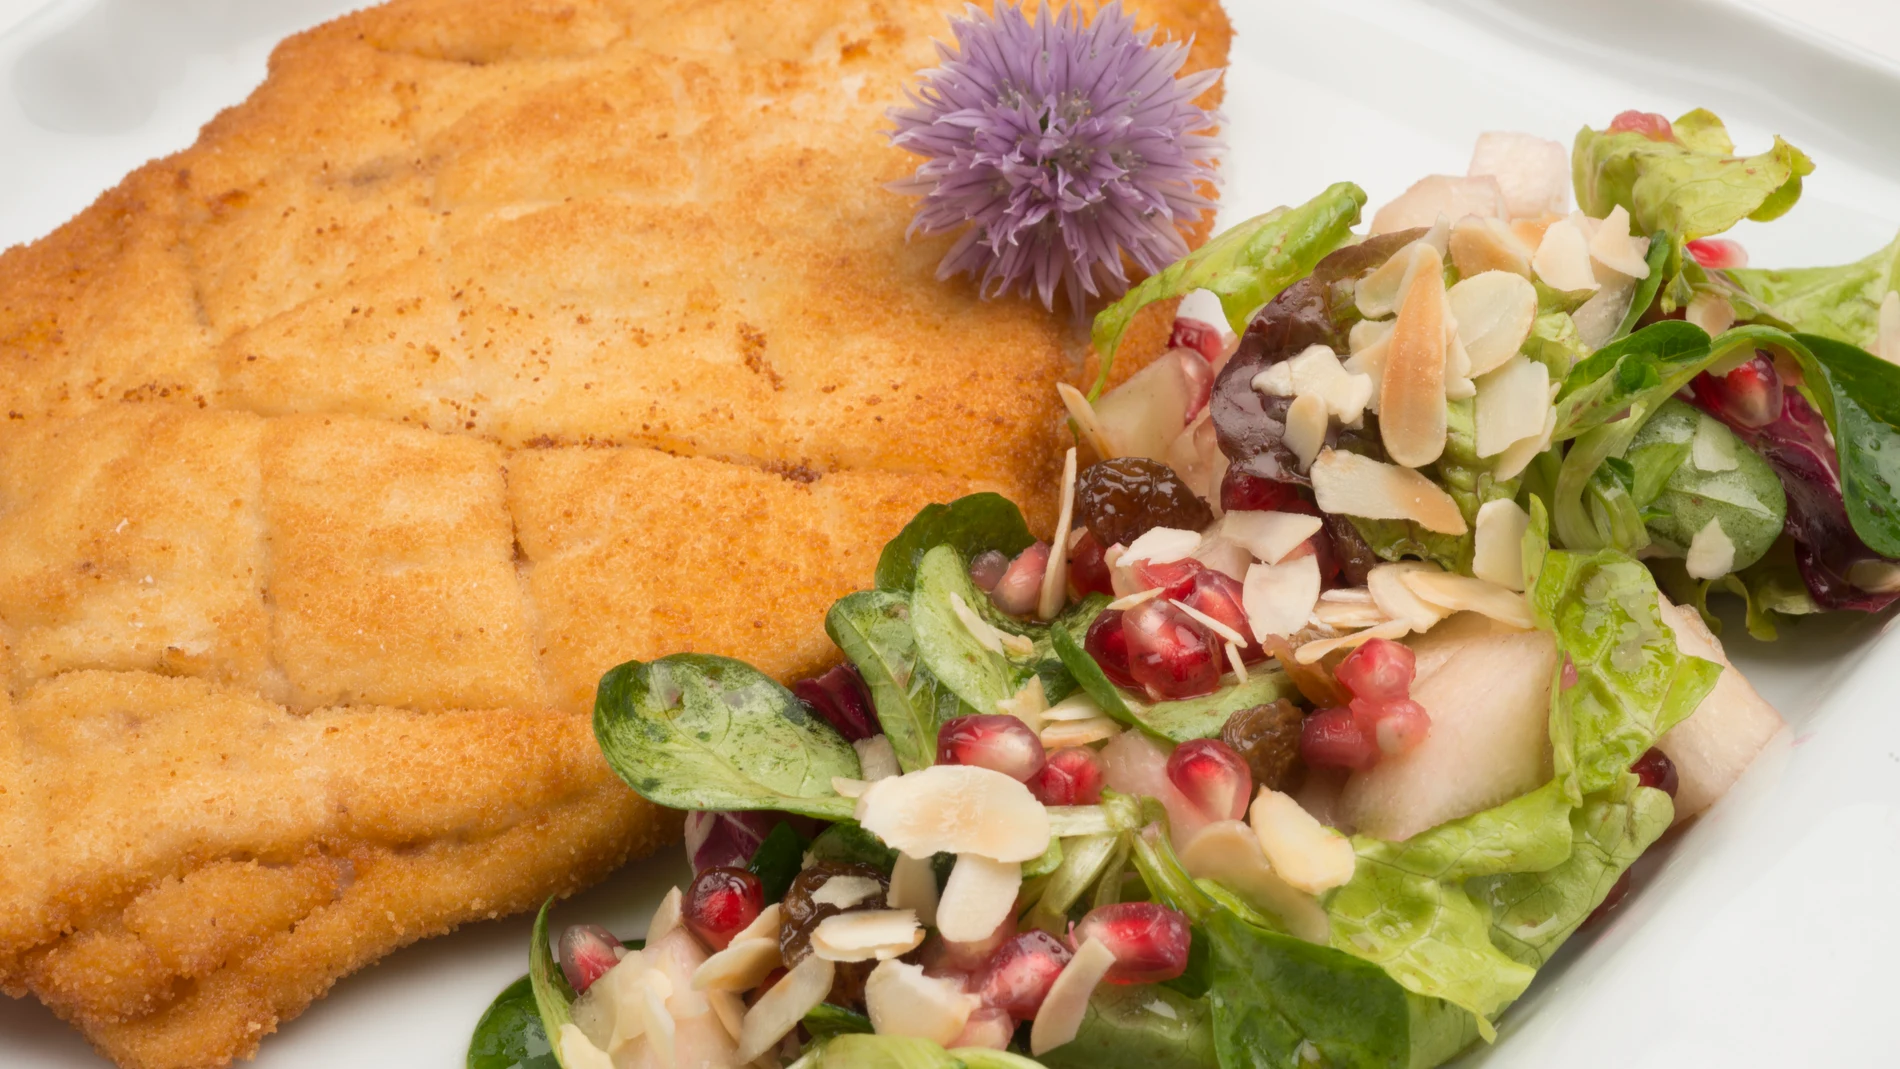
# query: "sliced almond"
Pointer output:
{"type": "Point", "coordinates": [1269, 535]}
{"type": "Point", "coordinates": [667, 916]}
{"type": "Point", "coordinates": [1234, 661]}
{"type": "Point", "coordinates": [1532, 173]}
{"type": "Point", "coordinates": [979, 895]}
{"type": "Point", "coordinates": [1531, 231]}
{"type": "Point", "coordinates": [1306, 427]}
{"type": "Point", "coordinates": [730, 1009]}
{"type": "Point", "coordinates": [1512, 404]}
{"type": "Point", "coordinates": [1077, 706]}
{"type": "Point", "coordinates": [1563, 258]}
{"type": "Point", "coordinates": [1278, 598]}
{"type": "Point", "coordinates": [957, 809]}
{"type": "Point", "coordinates": [1377, 295]}
{"type": "Point", "coordinates": [1711, 552]}
{"type": "Point", "coordinates": [1348, 617]}
{"type": "Point", "coordinates": [763, 926]}
{"type": "Point", "coordinates": [1713, 447]}
{"type": "Point", "coordinates": [660, 1030]}
{"type": "Point", "coordinates": [1412, 390]}
{"type": "Point", "coordinates": [1875, 576]}
{"type": "Point", "coordinates": [985, 633]}
{"type": "Point", "coordinates": [1452, 196]}
{"type": "Point", "coordinates": [1512, 462]}
{"type": "Point", "coordinates": [1055, 577]}
{"type": "Point", "coordinates": [1347, 484]}
{"type": "Point", "coordinates": [1370, 362]}
{"type": "Point", "coordinates": [846, 891]}
{"type": "Point", "coordinates": [914, 887]}
{"type": "Point", "coordinates": [1162, 545]}
{"type": "Point", "coordinates": [1390, 593]}
{"type": "Point", "coordinates": [1027, 705]}
{"type": "Point", "coordinates": [1223, 555]}
{"type": "Point", "coordinates": [1498, 543]}
{"type": "Point", "coordinates": [902, 1001]}
{"type": "Point", "coordinates": [1086, 421]}
{"type": "Point", "coordinates": [876, 758]}
{"type": "Point", "coordinates": [1710, 311]}
{"type": "Point", "coordinates": [1060, 1017]}
{"type": "Point", "coordinates": [1462, 593]}
{"type": "Point", "coordinates": [784, 1005]}
{"type": "Point", "coordinates": [1227, 634]}
{"type": "Point", "coordinates": [1229, 853]}
{"type": "Point", "coordinates": [1305, 853]}
{"type": "Point", "coordinates": [1079, 732]}
{"type": "Point", "coordinates": [867, 934]}
{"type": "Point", "coordinates": [579, 1052]}
{"type": "Point", "coordinates": [742, 966]}
{"type": "Point", "coordinates": [1368, 332]}
{"type": "Point", "coordinates": [1495, 311]}
{"type": "Point", "coordinates": [1481, 245]}
{"type": "Point", "coordinates": [846, 787]}
{"type": "Point", "coordinates": [611, 1012]}
{"type": "Point", "coordinates": [1616, 248]}
{"type": "Point", "coordinates": [1275, 381]}
{"type": "Point", "coordinates": [1129, 601]}
{"type": "Point", "coordinates": [1312, 652]}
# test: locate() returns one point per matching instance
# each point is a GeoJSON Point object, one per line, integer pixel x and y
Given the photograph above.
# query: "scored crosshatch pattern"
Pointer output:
{"type": "Point", "coordinates": [485, 347]}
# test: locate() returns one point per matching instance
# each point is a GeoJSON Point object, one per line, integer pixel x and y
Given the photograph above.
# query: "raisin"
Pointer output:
{"type": "Point", "coordinates": [799, 914]}
{"type": "Point", "coordinates": [1122, 499]}
{"type": "Point", "coordinates": [1267, 737]}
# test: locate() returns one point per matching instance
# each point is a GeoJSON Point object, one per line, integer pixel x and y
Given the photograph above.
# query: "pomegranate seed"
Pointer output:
{"type": "Point", "coordinates": [1378, 670]}
{"type": "Point", "coordinates": [1134, 763]}
{"type": "Point", "coordinates": [1071, 776]}
{"type": "Point", "coordinates": [1213, 777]}
{"type": "Point", "coordinates": [1395, 725]}
{"type": "Point", "coordinates": [1175, 578]}
{"type": "Point", "coordinates": [1241, 492]}
{"type": "Point", "coordinates": [1017, 591]}
{"type": "Point", "coordinates": [988, 1028]}
{"type": "Point", "coordinates": [1018, 976]}
{"type": "Point", "coordinates": [1149, 941]}
{"type": "Point", "coordinates": [1570, 672]}
{"type": "Point", "coordinates": [988, 567]}
{"type": "Point", "coordinates": [1107, 642]}
{"type": "Point", "coordinates": [1200, 382]}
{"type": "Point", "coordinates": [1218, 595]}
{"type": "Point", "coordinates": [1655, 769]}
{"type": "Point", "coordinates": [1718, 254]}
{"type": "Point", "coordinates": [1088, 570]}
{"type": "Point", "coordinates": [726, 839]}
{"type": "Point", "coordinates": [1331, 738]}
{"type": "Point", "coordinates": [841, 700]}
{"type": "Point", "coordinates": [587, 952]}
{"type": "Point", "coordinates": [993, 741]}
{"type": "Point", "coordinates": [1201, 336]}
{"type": "Point", "coordinates": [721, 902]}
{"type": "Point", "coordinates": [1749, 396]}
{"type": "Point", "coordinates": [1647, 123]}
{"type": "Point", "coordinates": [1170, 654]}
{"type": "Point", "coordinates": [1618, 891]}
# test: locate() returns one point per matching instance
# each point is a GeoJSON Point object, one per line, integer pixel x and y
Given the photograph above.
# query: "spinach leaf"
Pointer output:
{"type": "Point", "coordinates": [1862, 406]}
{"type": "Point", "coordinates": [692, 731]}
{"type": "Point", "coordinates": [553, 998]}
{"type": "Point", "coordinates": [777, 860]}
{"type": "Point", "coordinates": [509, 1035]}
{"type": "Point", "coordinates": [1842, 303]}
{"type": "Point", "coordinates": [1245, 266]}
{"type": "Point", "coordinates": [873, 628]}
{"type": "Point", "coordinates": [826, 1020]}
{"type": "Point", "coordinates": [1138, 1026]}
{"type": "Point", "coordinates": [972, 524]}
{"type": "Point", "coordinates": [945, 645]}
{"type": "Point", "coordinates": [854, 1050]}
{"type": "Point", "coordinates": [847, 841]}
{"type": "Point", "coordinates": [1177, 721]}
{"type": "Point", "coordinates": [1653, 362]}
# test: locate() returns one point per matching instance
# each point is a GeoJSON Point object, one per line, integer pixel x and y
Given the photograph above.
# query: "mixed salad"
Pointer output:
{"type": "Point", "coordinates": [1367, 653]}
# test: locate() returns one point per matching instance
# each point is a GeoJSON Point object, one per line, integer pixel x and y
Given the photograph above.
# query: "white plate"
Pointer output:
{"type": "Point", "coordinates": [1764, 936]}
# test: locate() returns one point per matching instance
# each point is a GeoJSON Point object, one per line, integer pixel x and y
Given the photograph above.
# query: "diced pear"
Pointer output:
{"type": "Point", "coordinates": [1144, 415]}
{"type": "Point", "coordinates": [902, 1001]}
{"type": "Point", "coordinates": [1720, 739]}
{"type": "Point", "coordinates": [1487, 690]}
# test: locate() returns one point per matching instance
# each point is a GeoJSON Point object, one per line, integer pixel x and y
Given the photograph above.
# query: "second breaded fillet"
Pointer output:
{"type": "Point", "coordinates": [487, 346]}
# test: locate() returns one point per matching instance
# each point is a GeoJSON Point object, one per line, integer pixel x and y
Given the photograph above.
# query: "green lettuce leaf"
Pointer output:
{"type": "Point", "coordinates": [1842, 303]}
{"type": "Point", "coordinates": [1245, 266]}
{"type": "Point", "coordinates": [873, 629]}
{"type": "Point", "coordinates": [1139, 1026]}
{"type": "Point", "coordinates": [1693, 187]}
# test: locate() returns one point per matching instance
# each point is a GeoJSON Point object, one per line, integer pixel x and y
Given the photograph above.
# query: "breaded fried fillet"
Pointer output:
{"type": "Point", "coordinates": [488, 345]}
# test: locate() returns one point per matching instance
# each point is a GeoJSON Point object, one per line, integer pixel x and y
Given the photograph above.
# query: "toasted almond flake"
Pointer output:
{"type": "Point", "coordinates": [1616, 248]}
{"type": "Point", "coordinates": [1060, 1017]}
{"type": "Point", "coordinates": [1275, 381]}
{"type": "Point", "coordinates": [1494, 312]}
{"type": "Point", "coordinates": [1348, 595]}
{"type": "Point", "coordinates": [914, 887]}
{"type": "Point", "coordinates": [1278, 598]}
{"type": "Point", "coordinates": [1512, 404]}
{"type": "Point", "coordinates": [1711, 553]}
{"type": "Point", "coordinates": [957, 809]}
{"type": "Point", "coordinates": [1229, 853]}
{"type": "Point", "coordinates": [986, 635]}
{"type": "Point", "coordinates": [1533, 173]}
{"type": "Point", "coordinates": [1306, 427]}
{"type": "Point", "coordinates": [1348, 617]}
{"type": "Point", "coordinates": [1086, 421]}
{"type": "Point", "coordinates": [1077, 706]}
{"type": "Point", "coordinates": [1370, 362]}
{"type": "Point", "coordinates": [1221, 554]}
{"type": "Point", "coordinates": [1481, 245]}
{"type": "Point", "coordinates": [1710, 311]}
{"type": "Point", "coordinates": [784, 1005]}
{"type": "Point", "coordinates": [1412, 389]}
{"type": "Point", "coordinates": [1313, 651]}
{"type": "Point", "coordinates": [1366, 333]}
{"type": "Point", "coordinates": [1163, 545]}
{"type": "Point", "coordinates": [1530, 232]}
{"type": "Point", "coordinates": [1563, 258]}
{"type": "Point", "coordinates": [1394, 598]}
{"type": "Point", "coordinates": [729, 1008]}
{"type": "Point", "coordinates": [1875, 576]}
{"type": "Point", "coordinates": [902, 1001]}
{"type": "Point", "coordinates": [763, 926]}
{"type": "Point", "coordinates": [979, 895]}
{"type": "Point", "coordinates": [1020, 645]}
{"type": "Point", "coordinates": [579, 1052]}
{"type": "Point", "coordinates": [1512, 462]}
{"type": "Point", "coordinates": [1453, 196]}
{"type": "Point", "coordinates": [1139, 596]}
{"type": "Point", "coordinates": [1079, 732]}
{"type": "Point", "coordinates": [866, 935]}
{"type": "Point", "coordinates": [1312, 368]}
{"type": "Point", "coordinates": [1585, 224]}
{"type": "Point", "coordinates": [846, 891]}
{"type": "Point", "coordinates": [1226, 633]}
{"type": "Point", "coordinates": [1462, 593]}
{"type": "Point", "coordinates": [876, 758]}
{"type": "Point", "coordinates": [846, 787]}
{"type": "Point", "coordinates": [1270, 536]}
{"type": "Point", "coordinates": [1887, 332]}
{"type": "Point", "coordinates": [660, 1029]}
{"type": "Point", "coordinates": [667, 916]}
{"type": "Point", "coordinates": [1305, 853]}
{"type": "Point", "coordinates": [742, 966]}
{"type": "Point", "coordinates": [1713, 447]}
{"type": "Point", "coordinates": [1233, 661]}
{"type": "Point", "coordinates": [1027, 705]}
{"type": "Point", "coordinates": [1347, 484]}
{"type": "Point", "coordinates": [1377, 294]}
{"type": "Point", "coordinates": [1055, 578]}
{"type": "Point", "coordinates": [610, 1012]}
{"type": "Point", "coordinates": [1498, 543]}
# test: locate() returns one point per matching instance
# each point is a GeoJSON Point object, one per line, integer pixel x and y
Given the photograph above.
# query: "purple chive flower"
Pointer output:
{"type": "Point", "coordinates": [1062, 146]}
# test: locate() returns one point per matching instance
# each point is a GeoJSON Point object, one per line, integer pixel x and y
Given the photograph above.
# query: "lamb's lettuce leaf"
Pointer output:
{"type": "Point", "coordinates": [1678, 496]}
{"type": "Point", "coordinates": [692, 731]}
{"type": "Point", "coordinates": [945, 645]}
{"type": "Point", "coordinates": [1245, 266]}
{"type": "Point", "coordinates": [827, 1019]}
{"type": "Point", "coordinates": [873, 629]}
{"type": "Point", "coordinates": [553, 998]}
{"type": "Point", "coordinates": [1842, 303]}
{"type": "Point", "coordinates": [973, 524]}
{"type": "Point", "coordinates": [509, 1034]}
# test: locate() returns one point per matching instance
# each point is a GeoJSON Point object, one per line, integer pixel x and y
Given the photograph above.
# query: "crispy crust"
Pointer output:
{"type": "Point", "coordinates": [485, 346]}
